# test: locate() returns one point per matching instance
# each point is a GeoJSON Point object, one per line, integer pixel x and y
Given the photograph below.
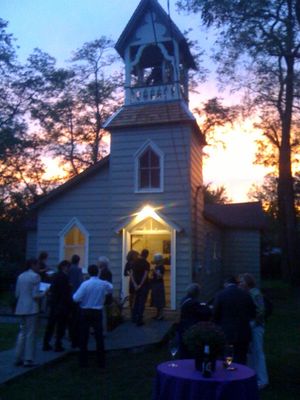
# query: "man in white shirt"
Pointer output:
{"type": "Point", "coordinates": [91, 297]}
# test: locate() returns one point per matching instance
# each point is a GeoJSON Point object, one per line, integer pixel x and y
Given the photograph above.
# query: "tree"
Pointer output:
{"type": "Point", "coordinates": [12, 125]}
{"type": "Point", "coordinates": [215, 196]}
{"type": "Point", "coordinates": [75, 102]}
{"type": "Point", "coordinates": [21, 166]}
{"type": "Point", "coordinates": [259, 49]}
{"type": "Point", "coordinates": [98, 91]}
{"type": "Point", "coordinates": [213, 114]}
{"type": "Point", "coordinates": [21, 151]}
{"type": "Point", "coordinates": [267, 194]}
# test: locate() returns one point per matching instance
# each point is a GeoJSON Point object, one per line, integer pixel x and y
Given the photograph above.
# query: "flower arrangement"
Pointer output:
{"type": "Point", "coordinates": [201, 334]}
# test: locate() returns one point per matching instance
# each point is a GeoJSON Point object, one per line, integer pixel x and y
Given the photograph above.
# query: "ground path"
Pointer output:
{"type": "Point", "coordinates": [126, 336]}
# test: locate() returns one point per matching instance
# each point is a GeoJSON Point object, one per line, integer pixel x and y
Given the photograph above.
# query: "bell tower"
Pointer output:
{"type": "Point", "coordinates": [156, 152]}
{"type": "Point", "coordinates": [156, 55]}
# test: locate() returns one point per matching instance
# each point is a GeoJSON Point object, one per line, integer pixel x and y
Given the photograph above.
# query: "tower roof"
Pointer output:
{"type": "Point", "coordinates": [151, 114]}
{"type": "Point", "coordinates": [136, 20]}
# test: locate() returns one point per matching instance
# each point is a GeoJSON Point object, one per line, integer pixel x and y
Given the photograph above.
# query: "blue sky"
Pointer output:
{"type": "Point", "coordinates": [61, 26]}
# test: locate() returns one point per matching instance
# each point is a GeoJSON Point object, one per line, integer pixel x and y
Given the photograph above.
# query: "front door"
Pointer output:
{"type": "Point", "coordinates": [156, 237]}
{"type": "Point", "coordinates": [156, 243]}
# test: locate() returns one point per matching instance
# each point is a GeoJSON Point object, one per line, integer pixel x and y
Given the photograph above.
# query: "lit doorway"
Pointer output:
{"type": "Point", "coordinates": [156, 235]}
{"type": "Point", "coordinates": [156, 243]}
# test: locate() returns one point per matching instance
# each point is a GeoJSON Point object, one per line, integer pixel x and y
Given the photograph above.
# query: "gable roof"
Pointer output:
{"type": "Point", "coordinates": [69, 184]}
{"type": "Point", "coordinates": [135, 19]}
{"type": "Point", "coordinates": [236, 215]}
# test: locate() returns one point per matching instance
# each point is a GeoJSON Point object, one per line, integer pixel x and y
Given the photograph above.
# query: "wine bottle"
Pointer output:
{"type": "Point", "coordinates": [206, 364]}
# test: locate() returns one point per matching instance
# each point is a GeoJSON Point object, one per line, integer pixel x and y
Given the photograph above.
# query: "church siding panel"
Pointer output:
{"type": "Point", "coordinates": [198, 226]}
{"type": "Point", "coordinates": [88, 202]}
{"type": "Point", "coordinates": [31, 244]}
{"type": "Point", "coordinates": [212, 265]}
{"type": "Point", "coordinates": [242, 252]}
{"type": "Point", "coordinates": [175, 202]}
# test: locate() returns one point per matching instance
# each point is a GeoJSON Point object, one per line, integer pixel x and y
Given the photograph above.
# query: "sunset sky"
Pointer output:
{"type": "Point", "coordinates": [61, 26]}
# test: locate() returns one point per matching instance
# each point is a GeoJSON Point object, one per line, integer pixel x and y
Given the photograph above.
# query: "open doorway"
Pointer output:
{"type": "Point", "coordinates": [156, 235]}
{"type": "Point", "coordinates": [156, 243]}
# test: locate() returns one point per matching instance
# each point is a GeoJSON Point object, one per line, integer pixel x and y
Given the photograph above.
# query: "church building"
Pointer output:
{"type": "Point", "coordinates": [148, 193]}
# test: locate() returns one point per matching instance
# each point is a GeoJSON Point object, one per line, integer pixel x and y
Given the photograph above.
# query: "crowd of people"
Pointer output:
{"type": "Point", "coordinates": [239, 310]}
{"type": "Point", "coordinates": [77, 303]}
{"type": "Point", "coordinates": [142, 280]}
{"type": "Point", "coordinates": [74, 303]}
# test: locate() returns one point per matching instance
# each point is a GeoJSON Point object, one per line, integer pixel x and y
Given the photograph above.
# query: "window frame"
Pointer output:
{"type": "Point", "coordinates": [152, 146]}
{"type": "Point", "coordinates": [71, 224]}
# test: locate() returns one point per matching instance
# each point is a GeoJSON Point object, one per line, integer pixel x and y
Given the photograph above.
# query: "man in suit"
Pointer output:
{"type": "Point", "coordinates": [75, 274]}
{"type": "Point", "coordinates": [139, 279]}
{"type": "Point", "coordinates": [106, 275]}
{"type": "Point", "coordinates": [233, 310]}
{"type": "Point", "coordinates": [28, 295]}
{"type": "Point", "coordinates": [60, 306]}
{"type": "Point", "coordinates": [75, 277]}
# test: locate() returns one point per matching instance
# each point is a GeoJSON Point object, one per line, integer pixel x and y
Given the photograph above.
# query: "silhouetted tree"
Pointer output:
{"type": "Point", "coordinates": [259, 49]}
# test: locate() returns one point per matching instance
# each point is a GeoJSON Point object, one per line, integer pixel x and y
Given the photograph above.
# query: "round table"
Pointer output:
{"type": "Point", "coordinates": [184, 382]}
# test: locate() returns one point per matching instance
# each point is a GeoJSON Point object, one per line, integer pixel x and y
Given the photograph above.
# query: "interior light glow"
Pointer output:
{"type": "Point", "coordinates": [146, 212]}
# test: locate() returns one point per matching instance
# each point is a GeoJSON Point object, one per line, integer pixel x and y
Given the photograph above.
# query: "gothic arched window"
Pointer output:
{"type": "Point", "coordinates": [74, 239]}
{"type": "Point", "coordinates": [149, 169]}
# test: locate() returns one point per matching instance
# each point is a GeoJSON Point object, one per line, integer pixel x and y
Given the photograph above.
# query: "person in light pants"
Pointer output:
{"type": "Point", "coordinates": [28, 296]}
{"type": "Point", "coordinates": [256, 356]}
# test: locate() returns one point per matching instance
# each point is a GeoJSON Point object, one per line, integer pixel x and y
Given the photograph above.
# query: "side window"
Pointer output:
{"type": "Point", "coordinates": [74, 240]}
{"type": "Point", "coordinates": [149, 170]}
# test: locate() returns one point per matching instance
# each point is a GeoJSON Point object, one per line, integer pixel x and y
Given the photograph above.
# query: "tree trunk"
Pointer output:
{"type": "Point", "coordinates": [286, 206]}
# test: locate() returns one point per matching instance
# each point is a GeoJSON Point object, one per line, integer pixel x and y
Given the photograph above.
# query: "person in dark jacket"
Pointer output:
{"type": "Point", "coordinates": [158, 297]}
{"type": "Point", "coordinates": [105, 275]}
{"type": "Point", "coordinates": [233, 311]}
{"type": "Point", "coordinates": [139, 279]}
{"type": "Point", "coordinates": [191, 312]}
{"type": "Point", "coordinates": [42, 266]}
{"type": "Point", "coordinates": [75, 277]}
{"type": "Point", "coordinates": [132, 256]}
{"type": "Point", "coordinates": [60, 305]}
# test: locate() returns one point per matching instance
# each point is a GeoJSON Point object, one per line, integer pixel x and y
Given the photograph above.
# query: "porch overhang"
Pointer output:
{"type": "Point", "coordinates": [146, 212]}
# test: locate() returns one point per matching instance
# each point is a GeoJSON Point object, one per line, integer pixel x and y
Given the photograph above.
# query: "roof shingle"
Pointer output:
{"type": "Point", "coordinates": [238, 215]}
{"type": "Point", "coordinates": [156, 113]}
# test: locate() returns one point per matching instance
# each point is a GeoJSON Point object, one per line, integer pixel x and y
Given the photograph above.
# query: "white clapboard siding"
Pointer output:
{"type": "Point", "coordinates": [31, 244]}
{"type": "Point", "coordinates": [174, 201]}
{"type": "Point", "coordinates": [242, 252]}
{"type": "Point", "coordinates": [88, 202]}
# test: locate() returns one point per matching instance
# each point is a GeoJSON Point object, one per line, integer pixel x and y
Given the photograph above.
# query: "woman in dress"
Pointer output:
{"type": "Point", "coordinates": [158, 299]}
{"type": "Point", "coordinates": [256, 355]}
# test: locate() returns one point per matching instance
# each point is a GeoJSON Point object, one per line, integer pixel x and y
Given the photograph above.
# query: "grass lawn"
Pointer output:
{"type": "Point", "coordinates": [9, 332]}
{"type": "Point", "coordinates": [282, 344]}
{"type": "Point", "coordinates": [130, 375]}
{"type": "Point", "coordinates": [8, 336]}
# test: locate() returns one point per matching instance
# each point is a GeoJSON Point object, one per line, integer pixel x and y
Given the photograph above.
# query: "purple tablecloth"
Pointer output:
{"type": "Point", "coordinates": [186, 383]}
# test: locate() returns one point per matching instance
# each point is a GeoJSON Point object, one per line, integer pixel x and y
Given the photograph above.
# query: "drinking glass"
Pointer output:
{"type": "Point", "coordinates": [228, 357]}
{"type": "Point", "coordinates": [173, 348]}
